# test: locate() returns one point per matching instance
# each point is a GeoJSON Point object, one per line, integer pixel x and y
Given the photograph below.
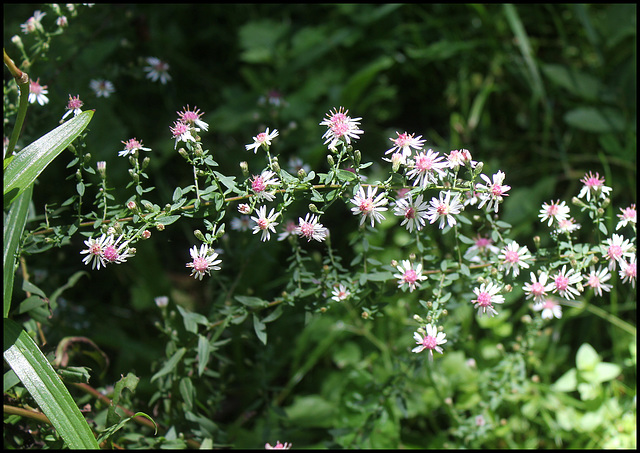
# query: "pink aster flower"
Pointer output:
{"type": "Point", "coordinates": [617, 249]}
{"type": "Point", "coordinates": [262, 139]}
{"type": "Point", "coordinates": [37, 92]}
{"type": "Point", "coordinates": [593, 186]}
{"type": "Point", "coordinates": [458, 158]}
{"type": "Point", "coordinates": [260, 183]}
{"type": "Point", "coordinates": [203, 261]}
{"type": "Point", "coordinates": [94, 251]}
{"type": "Point", "coordinates": [244, 208]}
{"type": "Point", "coordinates": [538, 288]}
{"type": "Point", "coordinates": [563, 282]}
{"type": "Point", "coordinates": [444, 208]}
{"type": "Point", "coordinates": [492, 192]}
{"type": "Point", "coordinates": [340, 292]}
{"type": "Point", "coordinates": [131, 147]}
{"type": "Point", "coordinates": [102, 88]}
{"type": "Point", "coordinates": [73, 106]}
{"type": "Point", "coordinates": [414, 213]}
{"type": "Point", "coordinates": [426, 168]}
{"type": "Point", "coordinates": [33, 23]}
{"type": "Point", "coordinates": [311, 229]}
{"type": "Point", "coordinates": [192, 118]}
{"type": "Point", "coordinates": [404, 143]}
{"type": "Point", "coordinates": [369, 206]}
{"type": "Point", "coordinates": [549, 307]}
{"type": "Point", "coordinates": [628, 271]}
{"type": "Point", "coordinates": [157, 69]}
{"type": "Point", "coordinates": [596, 280]}
{"type": "Point", "coordinates": [555, 211]}
{"type": "Point", "coordinates": [628, 215]}
{"type": "Point", "coordinates": [265, 224]}
{"type": "Point", "coordinates": [181, 132]}
{"type": "Point", "coordinates": [409, 276]}
{"type": "Point", "coordinates": [481, 248]}
{"type": "Point", "coordinates": [514, 257]}
{"type": "Point", "coordinates": [567, 226]}
{"type": "Point", "coordinates": [486, 296]}
{"type": "Point", "coordinates": [278, 446]}
{"type": "Point", "coordinates": [341, 128]}
{"type": "Point", "coordinates": [116, 252]}
{"type": "Point", "coordinates": [430, 339]}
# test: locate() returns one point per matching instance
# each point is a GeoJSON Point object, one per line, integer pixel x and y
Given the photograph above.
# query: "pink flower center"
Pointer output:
{"type": "Point", "coordinates": [424, 163]}
{"type": "Point", "coordinates": [410, 213]}
{"type": "Point", "coordinates": [482, 242]}
{"type": "Point", "coordinates": [74, 103]}
{"type": "Point", "coordinates": [561, 282]}
{"type": "Point", "coordinates": [95, 249]}
{"type": "Point", "coordinates": [110, 253]}
{"type": "Point", "coordinates": [484, 299]}
{"type": "Point", "coordinates": [402, 140]}
{"type": "Point", "coordinates": [614, 252]}
{"type": "Point", "coordinates": [36, 88]}
{"type": "Point", "coordinates": [594, 281]}
{"type": "Point", "coordinates": [307, 229]}
{"type": "Point", "coordinates": [263, 224]}
{"type": "Point", "coordinates": [553, 210]}
{"type": "Point", "coordinates": [179, 128]}
{"type": "Point", "coordinates": [200, 264]}
{"type": "Point", "coordinates": [496, 190]}
{"type": "Point", "coordinates": [410, 276]}
{"type": "Point", "coordinates": [511, 257]}
{"type": "Point", "coordinates": [443, 209]}
{"type": "Point", "coordinates": [366, 206]}
{"type": "Point", "coordinates": [261, 137]}
{"type": "Point", "coordinates": [537, 289]}
{"type": "Point", "coordinates": [429, 342]}
{"type": "Point", "coordinates": [132, 144]}
{"type": "Point", "coordinates": [592, 181]}
{"type": "Point", "coordinates": [340, 129]}
{"type": "Point", "coordinates": [258, 184]}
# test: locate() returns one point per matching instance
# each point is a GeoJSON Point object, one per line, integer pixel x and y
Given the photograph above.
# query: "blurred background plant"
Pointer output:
{"type": "Point", "coordinates": [545, 93]}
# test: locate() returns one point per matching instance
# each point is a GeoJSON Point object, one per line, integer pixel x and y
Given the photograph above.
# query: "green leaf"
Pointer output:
{"type": "Point", "coordinates": [250, 301]}
{"type": "Point", "coordinates": [170, 364]}
{"type": "Point", "coordinates": [43, 383]}
{"type": "Point", "coordinates": [259, 328]}
{"type": "Point", "coordinates": [13, 228]}
{"type": "Point", "coordinates": [587, 358]}
{"type": "Point", "coordinates": [597, 120]}
{"type": "Point", "coordinates": [32, 160]}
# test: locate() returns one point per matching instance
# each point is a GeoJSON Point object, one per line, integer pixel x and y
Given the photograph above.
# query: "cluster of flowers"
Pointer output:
{"type": "Point", "coordinates": [422, 170]}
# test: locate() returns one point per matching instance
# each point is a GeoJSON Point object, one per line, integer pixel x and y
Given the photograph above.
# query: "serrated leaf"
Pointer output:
{"type": "Point", "coordinates": [32, 160]}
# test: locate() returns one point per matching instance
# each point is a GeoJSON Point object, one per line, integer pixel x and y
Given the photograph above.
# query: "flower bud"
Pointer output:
{"type": "Point", "coordinates": [87, 158]}
{"type": "Point", "coordinates": [365, 315]}
{"type": "Point", "coordinates": [102, 169]}
{"type": "Point", "coordinates": [275, 166]}
{"type": "Point", "coordinates": [198, 234]}
{"type": "Point", "coordinates": [357, 157]}
{"type": "Point", "coordinates": [302, 174]}
{"type": "Point", "coordinates": [245, 168]}
{"type": "Point", "coordinates": [183, 153]}
{"type": "Point", "coordinates": [160, 227]}
{"type": "Point", "coordinates": [131, 205]}
{"type": "Point", "coordinates": [78, 175]}
{"type": "Point", "coordinates": [330, 160]}
{"type": "Point", "coordinates": [146, 234]}
{"type": "Point", "coordinates": [145, 163]}
{"type": "Point", "coordinates": [220, 231]}
{"type": "Point", "coordinates": [536, 241]}
{"type": "Point", "coordinates": [312, 208]}
{"type": "Point", "coordinates": [478, 169]}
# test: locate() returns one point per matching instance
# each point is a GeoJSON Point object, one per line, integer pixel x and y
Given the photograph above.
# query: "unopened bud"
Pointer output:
{"type": "Point", "coordinates": [275, 166]}
{"type": "Point", "coordinates": [478, 169]}
{"type": "Point", "coordinates": [330, 160]}
{"type": "Point", "coordinates": [302, 174]}
{"type": "Point", "coordinates": [244, 166]}
{"type": "Point", "coordinates": [198, 234]}
{"type": "Point", "coordinates": [220, 231]}
{"type": "Point", "coordinates": [131, 205]}
{"type": "Point", "coordinates": [78, 175]}
{"type": "Point", "coordinates": [145, 163]}
{"type": "Point", "coordinates": [365, 315]}
{"type": "Point", "coordinates": [146, 234]}
{"type": "Point", "coordinates": [160, 227]}
{"type": "Point", "coordinates": [357, 157]}
{"type": "Point", "coordinates": [87, 158]}
{"type": "Point", "coordinates": [183, 153]}
{"type": "Point", "coordinates": [536, 241]}
{"type": "Point", "coordinates": [102, 168]}
{"type": "Point", "coordinates": [312, 208]}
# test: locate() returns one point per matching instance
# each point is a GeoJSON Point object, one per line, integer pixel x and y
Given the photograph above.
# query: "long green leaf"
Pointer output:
{"type": "Point", "coordinates": [39, 378]}
{"type": "Point", "coordinates": [32, 160]}
{"type": "Point", "coordinates": [13, 227]}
